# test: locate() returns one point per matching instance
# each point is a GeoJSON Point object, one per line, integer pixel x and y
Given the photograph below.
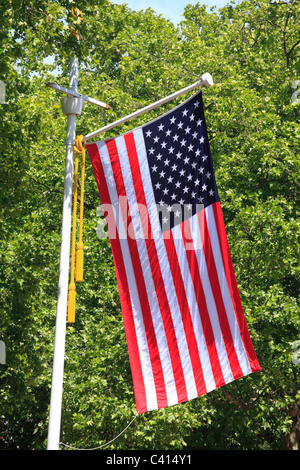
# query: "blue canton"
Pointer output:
{"type": "Point", "coordinates": [180, 162]}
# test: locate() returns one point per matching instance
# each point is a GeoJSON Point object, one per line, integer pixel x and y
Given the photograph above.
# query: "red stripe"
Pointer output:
{"type": "Point", "coordinates": [133, 349]}
{"type": "Point", "coordinates": [185, 313]}
{"type": "Point", "coordinates": [233, 288]}
{"type": "Point", "coordinates": [202, 306]}
{"type": "Point", "coordinates": [142, 291]}
{"type": "Point", "coordinates": [216, 290]}
{"type": "Point", "coordinates": [156, 273]}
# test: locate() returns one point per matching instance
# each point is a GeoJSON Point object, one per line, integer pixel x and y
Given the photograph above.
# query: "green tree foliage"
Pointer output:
{"type": "Point", "coordinates": [129, 59]}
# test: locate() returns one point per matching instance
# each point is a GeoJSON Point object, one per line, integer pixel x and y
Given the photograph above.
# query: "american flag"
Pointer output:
{"type": "Point", "coordinates": [185, 327]}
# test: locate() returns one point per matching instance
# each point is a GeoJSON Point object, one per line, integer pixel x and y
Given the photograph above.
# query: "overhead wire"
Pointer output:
{"type": "Point", "coordinates": [103, 445]}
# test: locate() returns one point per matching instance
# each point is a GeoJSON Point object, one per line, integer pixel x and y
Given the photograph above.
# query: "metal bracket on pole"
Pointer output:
{"type": "Point", "coordinates": [75, 94]}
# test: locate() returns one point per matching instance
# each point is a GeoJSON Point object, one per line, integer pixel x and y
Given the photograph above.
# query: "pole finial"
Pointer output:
{"type": "Point", "coordinates": [207, 79]}
{"type": "Point", "coordinates": [77, 14]}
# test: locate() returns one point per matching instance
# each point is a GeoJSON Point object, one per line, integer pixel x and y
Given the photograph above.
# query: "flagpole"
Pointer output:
{"type": "Point", "coordinates": [206, 80]}
{"type": "Point", "coordinates": [72, 107]}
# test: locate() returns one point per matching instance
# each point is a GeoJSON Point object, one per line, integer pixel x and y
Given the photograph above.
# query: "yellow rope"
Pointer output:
{"type": "Point", "coordinates": [80, 246]}
{"type": "Point", "coordinates": [79, 148]}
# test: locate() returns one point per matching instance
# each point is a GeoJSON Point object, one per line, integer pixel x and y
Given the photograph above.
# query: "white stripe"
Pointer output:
{"type": "Point", "coordinates": [150, 288]}
{"type": "Point", "coordinates": [135, 302]}
{"type": "Point", "coordinates": [193, 306]}
{"type": "Point", "coordinates": [165, 268]}
{"type": "Point", "coordinates": [234, 327]}
{"type": "Point", "coordinates": [210, 302]}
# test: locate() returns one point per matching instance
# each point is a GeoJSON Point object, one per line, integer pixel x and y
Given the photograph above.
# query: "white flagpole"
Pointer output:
{"type": "Point", "coordinates": [206, 80]}
{"type": "Point", "coordinates": [72, 107]}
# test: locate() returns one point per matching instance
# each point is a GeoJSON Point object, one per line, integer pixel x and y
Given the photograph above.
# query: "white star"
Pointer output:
{"type": "Point", "coordinates": [175, 137]}
{"type": "Point", "coordinates": [204, 157]}
{"type": "Point", "coordinates": [192, 117]}
{"type": "Point", "coordinates": [187, 130]}
{"type": "Point", "coordinates": [173, 197]}
{"type": "Point", "coordinates": [171, 150]}
{"type": "Point", "coordinates": [162, 174]}
{"type": "Point", "coordinates": [197, 182]}
{"type": "Point", "coordinates": [177, 213]}
{"type": "Point", "coordinates": [170, 179]}
{"type": "Point", "coordinates": [168, 133]}
{"type": "Point", "coordinates": [158, 185]}
{"type": "Point", "coordinates": [183, 142]}
{"type": "Point", "coordinates": [181, 202]}
{"type": "Point", "coordinates": [180, 124]}
{"type": "Point", "coordinates": [193, 194]}
{"type": "Point", "coordinates": [200, 199]}
{"type": "Point", "coordinates": [148, 133]}
{"type": "Point", "coordinates": [208, 174]}
{"type": "Point", "coordinates": [165, 191]}
{"type": "Point", "coordinates": [199, 122]}
{"type": "Point", "coordinates": [159, 156]}
{"type": "Point", "coordinates": [193, 165]}
{"type": "Point", "coordinates": [201, 169]}
{"type": "Point", "coordinates": [160, 127]}
{"type": "Point", "coordinates": [211, 192]}
{"type": "Point", "coordinates": [186, 160]}
{"type": "Point", "coordinates": [204, 187]}
{"type": "Point", "coordinates": [156, 139]}
{"type": "Point", "coordinates": [196, 104]}
{"type": "Point", "coordinates": [161, 202]}
{"type": "Point", "coordinates": [184, 112]}
{"type": "Point", "coordinates": [190, 177]}
{"type": "Point", "coordinates": [190, 147]}
{"type": "Point", "coordinates": [163, 144]}
{"type": "Point", "coordinates": [201, 140]}
{"type": "Point", "coordinates": [178, 154]}
{"type": "Point", "coordinates": [151, 151]}
{"type": "Point", "coordinates": [173, 120]}
{"type": "Point", "coordinates": [185, 189]}
{"type": "Point", "coordinates": [166, 162]}
{"type": "Point", "coordinates": [178, 184]}
{"type": "Point", "coordinates": [174, 167]}
{"type": "Point", "coordinates": [164, 220]}
{"type": "Point", "coordinates": [154, 168]}
{"type": "Point", "coordinates": [194, 135]}
{"type": "Point", "coordinates": [181, 172]}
